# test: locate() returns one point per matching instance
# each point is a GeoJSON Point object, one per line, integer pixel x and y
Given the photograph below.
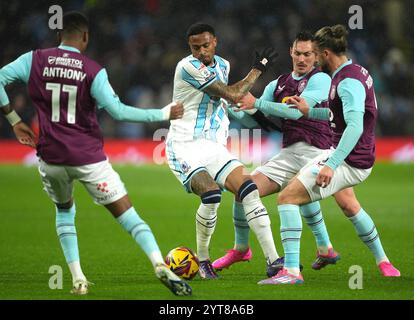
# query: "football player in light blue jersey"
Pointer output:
{"type": "Point", "coordinates": [196, 144]}
{"type": "Point", "coordinates": [75, 136]}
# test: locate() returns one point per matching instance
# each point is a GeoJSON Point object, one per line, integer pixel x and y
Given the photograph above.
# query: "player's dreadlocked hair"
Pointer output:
{"type": "Point", "coordinates": [333, 38]}
{"type": "Point", "coordinates": [198, 28]}
{"type": "Point", "coordinates": [74, 22]}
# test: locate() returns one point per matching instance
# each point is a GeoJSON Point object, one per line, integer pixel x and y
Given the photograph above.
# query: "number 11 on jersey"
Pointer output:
{"type": "Point", "coordinates": [72, 92]}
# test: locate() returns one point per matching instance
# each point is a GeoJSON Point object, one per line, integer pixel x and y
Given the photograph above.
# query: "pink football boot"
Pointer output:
{"type": "Point", "coordinates": [232, 256]}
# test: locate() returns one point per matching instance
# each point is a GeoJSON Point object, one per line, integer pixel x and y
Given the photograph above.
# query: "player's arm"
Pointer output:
{"type": "Point", "coordinates": [242, 117]}
{"type": "Point", "coordinates": [235, 92]}
{"type": "Point", "coordinates": [267, 106]}
{"type": "Point", "coordinates": [352, 94]}
{"type": "Point", "coordinates": [317, 91]}
{"type": "Point", "coordinates": [18, 70]}
{"type": "Point", "coordinates": [106, 98]}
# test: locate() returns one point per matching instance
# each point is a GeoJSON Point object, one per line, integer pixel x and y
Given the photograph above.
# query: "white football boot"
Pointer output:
{"type": "Point", "coordinates": [80, 287]}
{"type": "Point", "coordinates": [178, 286]}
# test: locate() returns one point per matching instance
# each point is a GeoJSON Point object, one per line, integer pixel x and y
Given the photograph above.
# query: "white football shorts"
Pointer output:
{"type": "Point", "coordinates": [186, 158]}
{"type": "Point", "coordinates": [100, 179]}
{"type": "Point", "coordinates": [288, 162]}
{"type": "Point", "coordinates": [345, 176]}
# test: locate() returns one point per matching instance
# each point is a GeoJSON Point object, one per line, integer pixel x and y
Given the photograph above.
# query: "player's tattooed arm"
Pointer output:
{"type": "Point", "coordinates": [234, 92]}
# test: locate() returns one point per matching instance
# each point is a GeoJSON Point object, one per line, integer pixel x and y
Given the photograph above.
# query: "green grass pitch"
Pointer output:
{"type": "Point", "coordinates": [120, 270]}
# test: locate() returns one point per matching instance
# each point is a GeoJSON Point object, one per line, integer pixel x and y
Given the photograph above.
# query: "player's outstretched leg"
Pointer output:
{"type": "Point", "coordinates": [129, 219]}
{"type": "Point", "coordinates": [312, 214]}
{"type": "Point", "coordinates": [366, 230]}
{"type": "Point", "coordinates": [66, 231]}
{"type": "Point", "coordinates": [142, 234]}
{"type": "Point", "coordinates": [241, 251]}
{"type": "Point", "coordinates": [368, 234]}
{"type": "Point", "coordinates": [258, 219]}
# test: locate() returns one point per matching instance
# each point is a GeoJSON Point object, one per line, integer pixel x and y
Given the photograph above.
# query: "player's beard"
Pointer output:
{"type": "Point", "coordinates": [206, 60]}
{"type": "Point", "coordinates": [325, 68]}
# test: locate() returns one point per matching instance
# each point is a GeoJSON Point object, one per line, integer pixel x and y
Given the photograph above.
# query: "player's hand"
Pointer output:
{"type": "Point", "coordinates": [24, 134]}
{"type": "Point", "coordinates": [265, 59]}
{"type": "Point", "coordinates": [324, 177]}
{"type": "Point", "coordinates": [176, 111]}
{"type": "Point", "coordinates": [300, 104]}
{"type": "Point", "coordinates": [246, 103]}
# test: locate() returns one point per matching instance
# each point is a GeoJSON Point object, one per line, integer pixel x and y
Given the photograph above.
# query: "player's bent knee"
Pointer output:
{"type": "Point", "coordinates": [248, 187]}
{"type": "Point", "coordinates": [211, 197]}
{"type": "Point", "coordinates": [350, 209]}
{"type": "Point", "coordinates": [202, 182]}
{"type": "Point", "coordinates": [285, 197]}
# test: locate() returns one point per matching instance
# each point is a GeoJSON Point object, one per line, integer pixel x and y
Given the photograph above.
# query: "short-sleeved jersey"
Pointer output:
{"type": "Point", "coordinates": [60, 88]}
{"type": "Point", "coordinates": [363, 155]}
{"type": "Point", "coordinates": [204, 116]}
{"type": "Point", "coordinates": [314, 132]}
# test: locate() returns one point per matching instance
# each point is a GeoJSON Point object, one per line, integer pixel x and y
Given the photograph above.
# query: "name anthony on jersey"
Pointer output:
{"type": "Point", "coordinates": [58, 72]}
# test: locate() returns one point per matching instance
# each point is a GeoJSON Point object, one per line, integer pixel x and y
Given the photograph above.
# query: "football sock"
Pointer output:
{"type": "Point", "coordinates": [66, 231]}
{"type": "Point", "coordinates": [367, 232]}
{"type": "Point", "coordinates": [312, 214]}
{"type": "Point", "coordinates": [142, 234]}
{"type": "Point", "coordinates": [206, 218]}
{"type": "Point", "coordinates": [258, 219]}
{"type": "Point", "coordinates": [241, 227]}
{"type": "Point", "coordinates": [290, 232]}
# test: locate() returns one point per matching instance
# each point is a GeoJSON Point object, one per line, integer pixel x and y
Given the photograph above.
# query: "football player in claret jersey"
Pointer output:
{"type": "Point", "coordinates": [353, 105]}
{"type": "Point", "coordinates": [303, 140]}
{"type": "Point", "coordinates": [196, 144]}
{"type": "Point", "coordinates": [65, 87]}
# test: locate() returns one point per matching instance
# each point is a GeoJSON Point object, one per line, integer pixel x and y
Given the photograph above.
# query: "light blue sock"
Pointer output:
{"type": "Point", "coordinates": [290, 232]}
{"type": "Point", "coordinates": [312, 214]}
{"type": "Point", "coordinates": [142, 234]}
{"type": "Point", "coordinates": [367, 232]}
{"type": "Point", "coordinates": [66, 231]}
{"type": "Point", "coordinates": [241, 227]}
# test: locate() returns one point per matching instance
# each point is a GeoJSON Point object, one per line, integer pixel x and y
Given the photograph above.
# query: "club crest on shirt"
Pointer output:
{"type": "Point", "coordinates": [302, 85]}
{"type": "Point", "coordinates": [51, 59]}
{"type": "Point", "coordinates": [185, 167]}
{"type": "Point", "coordinates": [333, 92]}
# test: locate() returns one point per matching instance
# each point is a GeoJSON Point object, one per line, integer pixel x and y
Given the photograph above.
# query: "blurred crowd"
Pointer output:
{"type": "Point", "coordinates": [140, 42]}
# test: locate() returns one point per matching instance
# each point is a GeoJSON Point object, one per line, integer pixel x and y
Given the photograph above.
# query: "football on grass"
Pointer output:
{"type": "Point", "coordinates": [183, 262]}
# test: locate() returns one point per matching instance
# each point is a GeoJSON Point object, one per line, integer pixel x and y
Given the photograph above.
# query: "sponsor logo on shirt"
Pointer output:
{"type": "Point", "coordinates": [279, 89]}
{"type": "Point", "coordinates": [67, 62]}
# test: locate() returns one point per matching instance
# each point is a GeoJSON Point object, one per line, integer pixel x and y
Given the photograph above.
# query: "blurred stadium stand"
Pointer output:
{"type": "Point", "coordinates": [140, 42]}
